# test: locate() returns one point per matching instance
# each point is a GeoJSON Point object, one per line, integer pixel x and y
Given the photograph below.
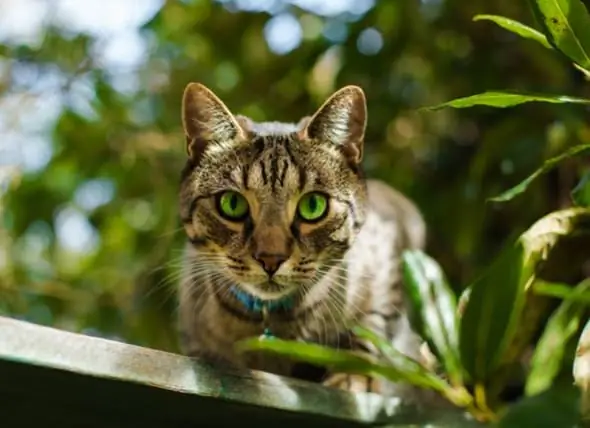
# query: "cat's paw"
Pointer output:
{"type": "Point", "coordinates": [353, 383]}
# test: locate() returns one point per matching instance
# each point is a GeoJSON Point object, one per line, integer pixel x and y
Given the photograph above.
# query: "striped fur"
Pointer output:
{"type": "Point", "coordinates": [344, 268]}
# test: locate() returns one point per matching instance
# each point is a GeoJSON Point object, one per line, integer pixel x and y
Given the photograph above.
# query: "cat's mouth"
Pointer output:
{"type": "Point", "coordinates": [270, 289]}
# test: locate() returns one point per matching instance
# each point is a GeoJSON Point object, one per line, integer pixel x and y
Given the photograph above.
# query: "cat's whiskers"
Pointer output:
{"type": "Point", "coordinates": [336, 309]}
{"type": "Point", "coordinates": [172, 231]}
{"type": "Point", "coordinates": [340, 287]}
{"type": "Point", "coordinates": [222, 285]}
{"type": "Point", "coordinates": [333, 311]}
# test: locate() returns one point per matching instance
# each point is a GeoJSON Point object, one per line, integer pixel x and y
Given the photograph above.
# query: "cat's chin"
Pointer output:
{"type": "Point", "coordinates": [269, 290]}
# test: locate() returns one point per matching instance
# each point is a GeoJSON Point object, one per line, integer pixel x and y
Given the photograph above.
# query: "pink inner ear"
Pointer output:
{"type": "Point", "coordinates": [302, 124]}
{"type": "Point", "coordinates": [302, 133]}
{"type": "Point", "coordinates": [245, 124]}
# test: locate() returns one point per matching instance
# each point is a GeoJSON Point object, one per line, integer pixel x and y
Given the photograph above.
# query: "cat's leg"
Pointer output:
{"type": "Point", "coordinates": [356, 382]}
{"type": "Point", "coordinates": [396, 330]}
{"type": "Point", "coordinates": [353, 383]}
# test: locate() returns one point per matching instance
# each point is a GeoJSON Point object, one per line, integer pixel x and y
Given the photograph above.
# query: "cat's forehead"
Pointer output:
{"type": "Point", "coordinates": [276, 164]}
{"type": "Point", "coordinates": [272, 163]}
{"type": "Point", "coordinates": [280, 164]}
{"type": "Point", "coordinates": [270, 129]}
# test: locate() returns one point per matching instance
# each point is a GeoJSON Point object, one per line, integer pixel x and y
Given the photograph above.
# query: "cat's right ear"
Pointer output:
{"type": "Point", "coordinates": [206, 120]}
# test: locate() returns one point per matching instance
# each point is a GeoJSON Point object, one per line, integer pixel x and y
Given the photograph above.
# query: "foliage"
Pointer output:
{"type": "Point", "coordinates": [509, 303]}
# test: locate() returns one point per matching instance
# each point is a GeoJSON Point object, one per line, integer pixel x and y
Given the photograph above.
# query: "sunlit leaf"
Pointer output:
{"type": "Point", "coordinates": [507, 99]}
{"type": "Point", "coordinates": [309, 352]}
{"type": "Point", "coordinates": [547, 166]}
{"type": "Point", "coordinates": [433, 309]}
{"type": "Point", "coordinates": [581, 193]}
{"type": "Point", "coordinates": [413, 370]}
{"type": "Point", "coordinates": [463, 299]}
{"type": "Point", "coordinates": [581, 370]}
{"type": "Point", "coordinates": [567, 26]}
{"type": "Point", "coordinates": [561, 291]}
{"type": "Point", "coordinates": [556, 407]}
{"type": "Point", "coordinates": [549, 352]}
{"type": "Point", "coordinates": [516, 27]}
{"type": "Point", "coordinates": [496, 300]}
{"type": "Point", "coordinates": [342, 361]}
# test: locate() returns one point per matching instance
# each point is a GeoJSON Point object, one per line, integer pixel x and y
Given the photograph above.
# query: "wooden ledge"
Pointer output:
{"type": "Point", "coordinates": [64, 379]}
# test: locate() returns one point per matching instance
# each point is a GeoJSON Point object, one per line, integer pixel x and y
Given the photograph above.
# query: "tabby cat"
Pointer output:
{"type": "Point", "coordinates": [285, 234]}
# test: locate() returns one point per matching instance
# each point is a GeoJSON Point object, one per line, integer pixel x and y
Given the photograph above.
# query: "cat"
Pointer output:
{"type": "Point", "coordinates": [285, 233]}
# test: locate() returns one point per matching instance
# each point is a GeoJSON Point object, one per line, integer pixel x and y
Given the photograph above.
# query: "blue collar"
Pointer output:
{"type": "Point", "coordinates": [255, 304]}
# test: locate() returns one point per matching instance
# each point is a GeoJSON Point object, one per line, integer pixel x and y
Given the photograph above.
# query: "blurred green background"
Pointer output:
{"type": "Point", "coordinates": [91, 145]}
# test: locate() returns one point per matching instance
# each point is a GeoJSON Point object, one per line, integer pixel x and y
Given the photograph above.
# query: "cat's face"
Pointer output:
{"type": "Point", "coordinates": [270, 207]}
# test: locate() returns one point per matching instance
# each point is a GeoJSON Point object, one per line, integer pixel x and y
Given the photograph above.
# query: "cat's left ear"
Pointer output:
{"type": "Point", "coordinates": [341, 120]}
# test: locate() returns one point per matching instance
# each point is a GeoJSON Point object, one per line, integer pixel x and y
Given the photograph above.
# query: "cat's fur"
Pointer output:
{"type": "Point", "coordinates": [344, 268]}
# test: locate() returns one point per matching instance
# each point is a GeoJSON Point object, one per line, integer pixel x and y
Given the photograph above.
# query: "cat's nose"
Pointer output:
{"type": "Point", "coordinates": [270, 262]}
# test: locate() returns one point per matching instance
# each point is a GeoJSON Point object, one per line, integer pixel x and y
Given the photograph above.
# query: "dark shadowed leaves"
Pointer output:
{"type": "Point", "coordinates": [556, 407]}
{"type": "Point", "coordinates": [547, 166]}
{"type": "Point", "coordinates": [567, 26]}
{"type": "Point", "coordinates": [507, 99]}
{"type": "Point", "coordinates": [496, 300]}
{"type": "Point", "coordinates": [549, 352]}
{"type": "Point", "coordinates": [516, 27]}
{"type": "Point", "coordinates": [433, 309]}
{"type": "Point", "coordinates": [581, 193]}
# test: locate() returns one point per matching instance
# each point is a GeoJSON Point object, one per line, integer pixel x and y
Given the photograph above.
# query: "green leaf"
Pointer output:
{"type": "Point", "coordinates": [567, 26]}
{"type": "Point", "coordinates": [433, 309]}
{"type": "Point", "coordinates": [581, 369]}
{"type": "Point", "coordinates": [561, 291]}
{"type": "Point", "coordinates": [547, 166]}
{"type": "Point", "coordinates": [308, 352]}
{"type": "Point", "coordinates": [516, 27]}
{"type": "Point", "coordinates": [342, 361]}
{"type": "Point", "coordinates": [496, 300]}
{"type": "Point", "coordinates": [581, 193]}
{"type": "Point", "coordinates": [549, 352]}
{"type": "Point", "coordinates": [556, 407]}
{"type": "Point", "coordinates": [506, 99]}
{"type": "Point", "coordinates": [413, 371]}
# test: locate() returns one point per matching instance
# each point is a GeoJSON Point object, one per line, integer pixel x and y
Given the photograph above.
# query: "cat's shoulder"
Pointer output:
{"type": "Point", "coordinates": [392, 205]}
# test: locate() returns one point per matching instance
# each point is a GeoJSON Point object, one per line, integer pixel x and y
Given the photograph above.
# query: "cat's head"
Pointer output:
{"type": "Point", "coordinates": [270, 207]}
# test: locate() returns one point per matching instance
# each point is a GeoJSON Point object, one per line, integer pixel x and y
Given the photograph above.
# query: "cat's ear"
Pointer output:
{"type": "Point", "coordinates": [341, 120]}
{"type": "Point", "coordinates": [206, 119]}
{"type": "Point", "coordinates": [303, 122]}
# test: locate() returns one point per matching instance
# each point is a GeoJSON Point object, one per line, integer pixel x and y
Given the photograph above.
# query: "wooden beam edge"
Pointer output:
{"type": "Point", "coordinates": [48, 347]}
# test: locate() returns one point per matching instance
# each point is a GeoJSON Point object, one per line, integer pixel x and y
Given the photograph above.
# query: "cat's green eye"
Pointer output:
{"type": "Point", "coordinates": [232, 205]}
{"type": "Point", "coordinates": [312, 207]}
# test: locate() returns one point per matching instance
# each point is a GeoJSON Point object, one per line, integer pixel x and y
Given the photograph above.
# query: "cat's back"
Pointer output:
{"type": "Point", "coordinates": [389, 208]}
{"type": "Point", "coordinates": [393, 224]}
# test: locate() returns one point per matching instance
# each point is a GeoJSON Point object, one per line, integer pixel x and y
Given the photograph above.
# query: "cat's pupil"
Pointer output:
{"type": "Point", "coordinates": [233, 202]}
{"type": "Point", "coordinates": [313, 203]}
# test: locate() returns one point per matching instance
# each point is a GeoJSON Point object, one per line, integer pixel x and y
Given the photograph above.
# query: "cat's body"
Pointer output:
{"type": "Point", "coordinates": [279, 215]}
